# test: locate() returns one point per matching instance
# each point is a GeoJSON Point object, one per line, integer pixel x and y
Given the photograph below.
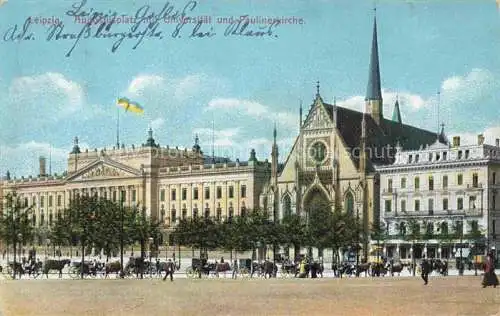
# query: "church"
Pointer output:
{"type": "Point", "coordinates": [334, 158]}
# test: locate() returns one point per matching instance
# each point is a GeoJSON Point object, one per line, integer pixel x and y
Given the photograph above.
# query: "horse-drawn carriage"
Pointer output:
{"type": "Point", "coordinates": [89, 269]}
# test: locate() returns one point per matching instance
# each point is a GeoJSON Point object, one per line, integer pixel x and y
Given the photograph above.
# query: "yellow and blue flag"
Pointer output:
{"type": "Point", "coordinates": [130, 106]}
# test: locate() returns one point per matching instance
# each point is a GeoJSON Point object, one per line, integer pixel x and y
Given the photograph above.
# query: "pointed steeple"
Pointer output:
{"type": "Point", "coordinates": [317, 89]}
{"type": "Point", "coordinates": [396, 115]}
{"type": "Point", "coordinates": [373, 100]}
{"type": "Point", "coordinates": [300, 115]}
{"type": "Point", "coordinates": [373, 91]}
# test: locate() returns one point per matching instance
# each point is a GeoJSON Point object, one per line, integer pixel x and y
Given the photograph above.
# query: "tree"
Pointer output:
{"type": "Point", "coordinates": [293, 232]}
{"type": "Point", "coordinates": [378, 233]}
{"type": "Point", "coordinates": [320, 226]}
{"type": "Point", "coordinates": [413, 235]}
{"type": "Point", "coordinates": [15, 225]}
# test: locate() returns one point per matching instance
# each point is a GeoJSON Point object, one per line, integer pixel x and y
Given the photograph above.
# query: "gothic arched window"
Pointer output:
{"type": "Point", "coordinates": [287, 206]}
{"type": "Point", "coordinates": [349, 203]}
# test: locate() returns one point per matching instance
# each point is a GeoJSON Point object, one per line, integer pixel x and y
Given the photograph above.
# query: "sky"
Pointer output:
{"type": "Point", "coordinates": [230, 89]}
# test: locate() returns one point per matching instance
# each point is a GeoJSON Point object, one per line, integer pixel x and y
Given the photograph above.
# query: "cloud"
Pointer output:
{"type": "Point", "coordinates": [26, 157]}
{"type": "Point", "coordinates": [253, 109]}
{"type": "Point", "coordinates": [142, 83]}
{"type": "Point", "coordinates": [490, 135]}
{"type": "Point", "coordinates": [157, 124]}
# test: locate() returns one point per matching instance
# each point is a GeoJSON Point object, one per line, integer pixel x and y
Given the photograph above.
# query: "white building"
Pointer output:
{"type": "Point", "coordinates": [440, 187]}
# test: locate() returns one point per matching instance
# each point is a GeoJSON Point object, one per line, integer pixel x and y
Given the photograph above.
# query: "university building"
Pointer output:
{"type": "Point", "coordinates": [450, 191]}
{"type": "Point", "coordinates": [169, 183]}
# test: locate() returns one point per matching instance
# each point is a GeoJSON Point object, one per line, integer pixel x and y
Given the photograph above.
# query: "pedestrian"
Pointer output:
{"type": "Point", "coordinates": [170, 270]}
{"type": "Point", "coordinates": [490, 278]}
{"type": "Point", "coordinates": [235, 270]}
{"type": "Point", "coordinates": [425, 270]}
{"type": "Point", "coordinates": [158, 267]}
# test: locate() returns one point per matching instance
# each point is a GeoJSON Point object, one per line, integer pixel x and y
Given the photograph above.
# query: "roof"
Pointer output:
{"type": "Point", "coordinates": [378, 136]}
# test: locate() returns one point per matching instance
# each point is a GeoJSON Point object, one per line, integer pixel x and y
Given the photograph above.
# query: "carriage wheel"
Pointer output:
{"type": "Point", "coordinates": [74, 272]}
{"type": "Point", "coordinates": [190, 272]}
{"type": "Point", "coordinates": [244, 273]}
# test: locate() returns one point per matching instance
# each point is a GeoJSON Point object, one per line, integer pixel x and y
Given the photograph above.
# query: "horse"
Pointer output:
{"type": "Point", "coordinates": [363, 267]}
{"type": "Point", "coordinates": [395, 267]}
{"type": "Point", "coordinates": [17, 268]}
{"type": "Point", "coordinates": [112, 267]}
{"type": "Point", "coordinates": [378, 269]}
{"type": "Point", "coordinates": [58, 265]}
{"type": "Point", "coordinates": [222, 267]}
{"type": "Point", "coordinates": [34, 269]}
{"type": "Point", "coordinates": [269, 268]}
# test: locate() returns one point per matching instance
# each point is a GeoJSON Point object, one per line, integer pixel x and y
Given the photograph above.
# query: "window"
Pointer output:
{"type": "Point", "coordinates": [51, 217]}
{"type": "Point", "coordinates": [410, 159]}
{"type": "Point", "coordinates": [243, 211]}
{"type": "Point", "coordinates": [173, 195]}
{"type": "Point", "coordinates": [243, 191]}
{"type": "Point", "coordinates": [207, 193]}
{"type": "Point", "coordinates": [134, 195]}
{"type": "Point", "coordinates": [231, 192]}
{"type": "Point", "coordinates": [349, 201]}
{"type": "Point", "coordinates": [59, 200]}
{"type": "Point", "coordinates": [388, 206]}
{"type": "Point", "coordinates": [219, 192]}
{"type": "Point", "coordinates": [430, 206]}
{"type": "Point", "coordinates": [34, 201]}
{"type": "Point", "coordinates": [173, 216]}
{"type": "Point", "coordinates": [114, 196]}
{"type": "Point", "coordinates": [459, 154]}
{"type": "Point", "coordinates": [494, 224]}
{"type": "Point", "coordinates": [437, 157]}
{"type": "Point", "coordinates": [493, 202]}
{"type": "Point", "coordinates": [472, 202]}
{"type": "Point", "coordinates": [417, 205]}
{"type": "Point", "coordinates": [403, 206]}
{"type": "Point", "coordinates": [25, 202]}
{"type": "Point", "coordinates": [475, 180]}
{"type": "Point", "coordinates": [430, 157]}
{"type": "Point", "coordinates": [431, 183]}
{"type": "Point", "coordinates": [389, 185]}
{"type": "Point", "coordinates": [162, 195]}
{"type": "Point", "coordinates": [417, 183]}
{"type": "Point", "coordinates": [124, 195]}
{"type": "Point", "coordinates": [50, 201]}
{"type": "Point", "coordinates": [445, 204]}
{"type": "Point", "coordinates": [467, 154]}
{"type": "Point", "coordinates": [184, 194]}
{"type": "Point", "coordinates": [403, 183]}
{"type": "Point", "coordinates": [219, 213]}
{"type": "Point", "coordinates": [207, 213]}
{"type": "Point", "coordinates": [460, 204]}
{"type": "Point", "coordinates": [494, 176]}
{"type": "Point", "coordinates": [416, 158]}
{"type": "Point", "coordinates": [460, 179]}
{"type": "Point", "coordinates": [445, 154]}
{"type": "Point", "coordinates": [195, 194]}
{"type": "Point", "coordinates": [42, 219]}
{"type": "Point", "coordinates": [42, 201]}
{"type": "Point", "coordinates": [445, 182]}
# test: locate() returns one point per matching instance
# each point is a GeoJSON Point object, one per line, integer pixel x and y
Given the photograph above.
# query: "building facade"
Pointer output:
{"type": "Point", "coordinates": [169, 183]}
{"type": "Point", "coordinates": [449, 191]}
{"type": "Point", "coordinates": [333, 158]}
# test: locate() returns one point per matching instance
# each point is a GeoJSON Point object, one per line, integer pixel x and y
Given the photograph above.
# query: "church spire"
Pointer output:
{"type": "Point", "coordinates": [373, 91]}
{"type": "Point", "coordinates": [396, 115]}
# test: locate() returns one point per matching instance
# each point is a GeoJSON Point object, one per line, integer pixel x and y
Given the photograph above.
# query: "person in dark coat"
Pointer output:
{"type": "Point", "coordinates": [170, 270]}
{"type": "Point", "coordinates": [425, 271]}
{"type": "Point", "coordinates": [490, 278]}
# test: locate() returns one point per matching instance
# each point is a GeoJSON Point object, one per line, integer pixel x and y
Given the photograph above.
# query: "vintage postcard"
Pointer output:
{"type": "Point", "coordinates": [249, 157]}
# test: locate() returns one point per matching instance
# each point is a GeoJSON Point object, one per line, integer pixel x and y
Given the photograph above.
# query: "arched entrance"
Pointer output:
{"type": "Point", "coordinates": [316, 203]}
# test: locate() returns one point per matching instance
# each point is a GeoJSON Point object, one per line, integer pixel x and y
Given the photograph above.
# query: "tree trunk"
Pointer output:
{"type": "Point", "coordinates": [83, 258]}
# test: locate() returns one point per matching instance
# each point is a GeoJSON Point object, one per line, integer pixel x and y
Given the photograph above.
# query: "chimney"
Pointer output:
{"type": "Point", "coordinates": [480, 139]}
{"type": "Point", "coordinates": [456, 141]}
{"type": "Point", "coordinates": [42, 161]}
{"type": "Point", "coordinates": [497, 142]}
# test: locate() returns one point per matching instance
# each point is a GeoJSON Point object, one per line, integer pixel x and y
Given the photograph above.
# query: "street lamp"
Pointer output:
{"type": "Point", "coordinates": [47, 244]}
{"type": "Point", "coordinates": [122, 273]}
{"type": "Point", "coordinates": [16, 238]}
{"type": "Point", "coordinates": [150, 239]}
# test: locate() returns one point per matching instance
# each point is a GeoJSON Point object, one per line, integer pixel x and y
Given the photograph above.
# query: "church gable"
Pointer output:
{"type": "Point", "coordinates": [318, 116]}
{"type": "Point", "coordinates": [104, 170]}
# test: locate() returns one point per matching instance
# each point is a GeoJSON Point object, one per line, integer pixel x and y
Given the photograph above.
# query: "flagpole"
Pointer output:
{"type": "Point", "coordinates": [118, 128]}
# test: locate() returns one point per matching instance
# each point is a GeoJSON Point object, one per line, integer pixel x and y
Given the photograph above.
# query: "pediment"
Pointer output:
{"type": "Point", "coordinates": [104, 169]}
{"type": "Point", "coordinates": [318, 118]}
